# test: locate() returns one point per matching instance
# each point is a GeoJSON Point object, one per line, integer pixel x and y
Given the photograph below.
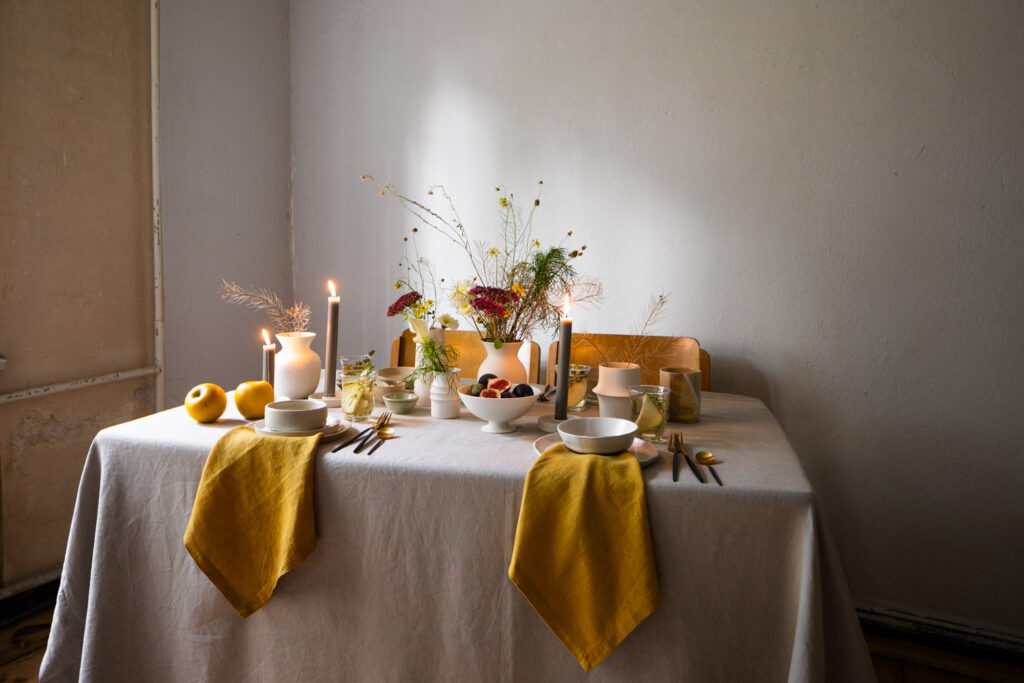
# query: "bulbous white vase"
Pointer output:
{"type": "Point", "coordinates": [504, 362]}
{"type": "Point", "coordinates": [296, 367]}
{"type": "Point", "coordinates": [612, 390]}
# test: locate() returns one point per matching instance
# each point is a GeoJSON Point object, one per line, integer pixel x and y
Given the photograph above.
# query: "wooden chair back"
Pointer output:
{"type": "Point", "coordinates": [594, 349]}
{"type": "Point", "coordinates": [471, 353]}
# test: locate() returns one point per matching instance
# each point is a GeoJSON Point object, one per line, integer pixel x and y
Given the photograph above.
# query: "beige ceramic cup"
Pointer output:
{"type": "Point", "coordinates": [684, 401]}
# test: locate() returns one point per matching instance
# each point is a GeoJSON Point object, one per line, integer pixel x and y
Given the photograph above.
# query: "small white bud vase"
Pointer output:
{"type": "Point", "coordinates": [504, 362]}
{"type": "Point", "coordinates": [444, 398]}
{"type": "Point", "coordinates": [296, 367]}
{"type": "Point", "coordinates": [612, 390]}
{"type": "Point", "coordinates": [421, 387]}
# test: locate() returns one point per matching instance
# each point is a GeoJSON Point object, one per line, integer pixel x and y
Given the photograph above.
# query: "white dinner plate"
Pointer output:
{"type": "Point", "coordinates": [334, 428]}
{"type": "Point", "coordinates": [644, 451]}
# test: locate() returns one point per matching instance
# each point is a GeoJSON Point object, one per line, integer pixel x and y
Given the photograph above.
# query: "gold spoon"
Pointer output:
{"type": "Point", "coordinates": [708, 458]}
{"type": "Point", "coordinates": [383, 434]}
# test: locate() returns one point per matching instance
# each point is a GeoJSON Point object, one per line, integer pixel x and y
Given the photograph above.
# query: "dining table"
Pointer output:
{"type": "Point", "coordinates": [409, 580]}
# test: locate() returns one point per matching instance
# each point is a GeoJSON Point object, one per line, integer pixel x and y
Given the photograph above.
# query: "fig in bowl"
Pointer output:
{"type": "Point", "coordinates": [490, 405]}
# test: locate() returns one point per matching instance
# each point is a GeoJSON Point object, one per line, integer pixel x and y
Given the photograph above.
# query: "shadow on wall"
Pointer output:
{"type": "Point", "coordinates": [737, 375]}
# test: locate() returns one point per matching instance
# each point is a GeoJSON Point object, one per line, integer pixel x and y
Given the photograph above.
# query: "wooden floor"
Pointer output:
{"type": "Point", "coordinates": [25, 626]}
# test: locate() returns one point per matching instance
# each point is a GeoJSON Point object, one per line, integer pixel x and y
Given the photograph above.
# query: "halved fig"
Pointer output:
{"type": "Point", "coordinates": [490, 393]}
{"type": "Point", "coordinates": [499, 383]}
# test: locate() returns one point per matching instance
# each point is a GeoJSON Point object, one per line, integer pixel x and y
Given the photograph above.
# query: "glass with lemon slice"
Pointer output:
{"type": "Point", "coordinates": [356, 393]}
{"type": "Point", "coordinates": [648, 409]}
{"type": "Point", "coordinates": [578, 385]}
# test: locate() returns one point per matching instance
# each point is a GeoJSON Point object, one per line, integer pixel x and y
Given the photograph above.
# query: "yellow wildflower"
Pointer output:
{"type": "Point", "coordinates": [536, 243]}
{"type": "Point", "coordinates": [494, 251]}
{"type": "Point", "coordinates": [503, 201]}
{"type": "Point", "coordinates": [398, 285]}
{"type": "Point", "coordinates": [518, 289]}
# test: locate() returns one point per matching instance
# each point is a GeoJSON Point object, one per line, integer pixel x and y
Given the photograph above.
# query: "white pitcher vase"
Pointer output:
{"type": "Point", "coordinates": [296, 367]}
{"type": "Point", "coordinates": [504, 362]}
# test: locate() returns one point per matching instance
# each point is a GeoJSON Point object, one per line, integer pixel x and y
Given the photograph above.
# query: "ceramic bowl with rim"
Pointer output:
{"type": "Point", "coordinates": [600, 435]}
{"type": "Point", "coordinates": [401, 402]}
{"type": "Point", "coordinates": [497, 412]}
{"type": "Point", "coordinates": [390, 380]}
{"type": "Point", "coordinates": [296, 415]}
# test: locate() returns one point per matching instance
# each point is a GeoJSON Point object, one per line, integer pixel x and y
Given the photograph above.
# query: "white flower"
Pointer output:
{"type": "Point", "coordinates": [448, 322]}
{"type": "Point", "coordinates": [419, 328]}
{"type": "Point", "coordinates": [459, 297]}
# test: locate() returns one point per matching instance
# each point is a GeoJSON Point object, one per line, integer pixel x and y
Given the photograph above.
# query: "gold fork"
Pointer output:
{"type": "Point", "coordinates": [382, 422]}
{"type": "Point", "coordinates": [384, 418]}
{"type": "Point", "coordinates": [678, 447]}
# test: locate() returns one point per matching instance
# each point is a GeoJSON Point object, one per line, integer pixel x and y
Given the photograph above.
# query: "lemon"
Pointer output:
{"type": "Point", "coordinates": [350, 395]}
{"type": "Point", "coordinates": [651, 415]}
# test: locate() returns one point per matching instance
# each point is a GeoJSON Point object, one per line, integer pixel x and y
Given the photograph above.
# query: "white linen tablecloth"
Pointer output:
{"type": "Point", "coordinates": [409, 582]}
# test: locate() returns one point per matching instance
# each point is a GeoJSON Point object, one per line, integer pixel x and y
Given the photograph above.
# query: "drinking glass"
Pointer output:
{"type": "Point", "coordinates": [356, 389]}
{"type": "Point", "coordinates": [354, 363]}
{"type": "Point", "coordinates": [648, 406]}
{"type": "Point", "coordinates": [577, 397]}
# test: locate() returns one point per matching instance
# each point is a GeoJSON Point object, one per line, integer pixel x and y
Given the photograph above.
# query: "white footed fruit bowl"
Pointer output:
{"type": "Point", "coordinates": [498, 412]}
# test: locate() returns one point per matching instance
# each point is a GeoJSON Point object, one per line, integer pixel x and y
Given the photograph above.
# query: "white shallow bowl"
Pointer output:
{"type": "Point", "coordinates": [600, 435]}
{"type": "Point", "coordinates": [390, 381]}
{"type": "Point", "coordinates": [295, 415]}
{"type": "Point", "coordinates": [498, 412]}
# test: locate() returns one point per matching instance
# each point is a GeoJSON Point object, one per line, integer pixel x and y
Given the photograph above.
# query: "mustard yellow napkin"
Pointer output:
{"type": "Point", "coordinates": [582, 554]}
{"type": "Point", "coordinates": [252, 521]}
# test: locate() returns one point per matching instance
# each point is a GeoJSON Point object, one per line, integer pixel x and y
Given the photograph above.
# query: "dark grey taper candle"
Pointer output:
{"type": "Point", "coordinates": [331, 369]}
{"type": "Point", "coordinates": [269, 350]}
{"type": "Point", "coordinates": [564, 350]}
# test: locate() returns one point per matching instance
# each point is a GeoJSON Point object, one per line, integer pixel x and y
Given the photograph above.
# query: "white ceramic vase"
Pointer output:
{"type": "Point", "coordinates": [612, 390]}
{"type": "Point", "coordinates": [504, 362]}
{"type": "Point", "coordinates": [421, 387]}
{"type": "Point", "coordinates": [296, 366]}
{"type": "Point", "coordinates": [444, 397]}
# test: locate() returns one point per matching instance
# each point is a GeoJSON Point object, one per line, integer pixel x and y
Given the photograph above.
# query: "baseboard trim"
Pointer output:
{"type": "Point", "coordinates": [942, 630]}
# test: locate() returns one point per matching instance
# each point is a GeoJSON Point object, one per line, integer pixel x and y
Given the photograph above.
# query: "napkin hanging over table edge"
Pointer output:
{"type": "Point", "coordinates": [583, 526]}
{"type": "Point", "coordinates": [253, 518]}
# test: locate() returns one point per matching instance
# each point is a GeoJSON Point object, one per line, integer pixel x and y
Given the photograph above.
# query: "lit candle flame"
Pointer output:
{"type": "Point", "coordinates": [565, 306]}
{"type": "Point", "coordinates": [330, 286]}
{"type": "Point", "coordinates": [266, 337]}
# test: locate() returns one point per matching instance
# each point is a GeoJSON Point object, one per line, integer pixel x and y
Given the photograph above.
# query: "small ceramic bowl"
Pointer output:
{"type": "Point", "coordinates": [400, 402]}
{"type": "Point", "coordinates": [390, 380]}
{"type": "Point", "coordinates": [498, 412]}
{"type": "Point", "coordinates": [299, 415]}
{"type": "Point", "coordinates": [600, 435]}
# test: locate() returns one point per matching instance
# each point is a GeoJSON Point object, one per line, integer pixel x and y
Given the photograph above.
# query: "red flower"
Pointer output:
{"type": "Point", "coordinates": [405, 301]}
{"type": "Point", "coordinates": [487, 307]}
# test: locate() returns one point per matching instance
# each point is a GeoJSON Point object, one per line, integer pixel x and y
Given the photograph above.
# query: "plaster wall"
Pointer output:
{"type": "Point", "coordinates": [224, 119]}
{"type": "Point", "coordinates": [76, 256]}
{"type": "Point", "coordinates": [832, 193]}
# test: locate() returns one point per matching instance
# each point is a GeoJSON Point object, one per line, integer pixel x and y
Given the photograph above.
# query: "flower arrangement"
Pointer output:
{"type": "Point", "coordinates": [516, 287]}
{"type": "Point", "coordinates": [415, 309]}
{"type": "Point", "coordinates": [292, 319]}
